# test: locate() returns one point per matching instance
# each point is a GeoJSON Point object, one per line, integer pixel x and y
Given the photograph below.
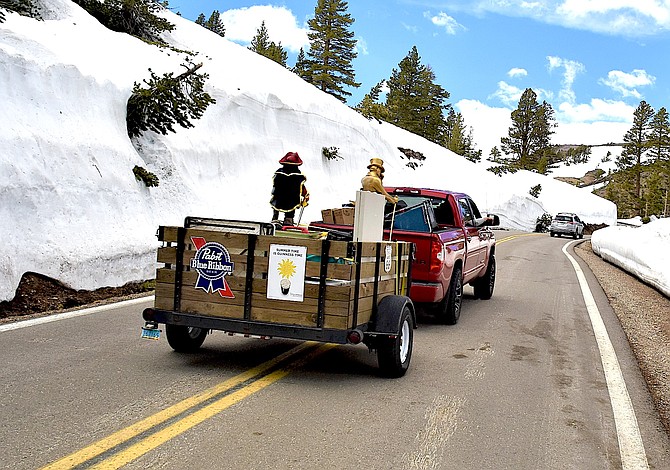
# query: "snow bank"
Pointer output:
{"type": "Point", "coordinates": [71, 207]}
{"type": "Point", "coordinates": [642, 251]}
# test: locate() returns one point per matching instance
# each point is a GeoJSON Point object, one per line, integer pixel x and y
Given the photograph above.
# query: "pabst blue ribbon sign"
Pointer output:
{"type": "Point", "coordinates": [212, 263]}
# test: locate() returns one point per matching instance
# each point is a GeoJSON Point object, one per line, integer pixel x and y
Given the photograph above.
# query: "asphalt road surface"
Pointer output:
{"type": "Point", "coordinates": [518, 383]}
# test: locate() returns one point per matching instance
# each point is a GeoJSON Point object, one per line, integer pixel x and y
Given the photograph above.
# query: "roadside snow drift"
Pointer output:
{"type": "Point", "coordinates": [643, 251]}
{"type": "Point", "coordinates": [71, 207]}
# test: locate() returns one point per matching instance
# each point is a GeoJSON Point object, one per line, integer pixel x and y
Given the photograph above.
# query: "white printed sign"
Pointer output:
{"type": "Point", "coordinates": [388, 258]}
{"type": "Point", "coordinates": [286, 272]}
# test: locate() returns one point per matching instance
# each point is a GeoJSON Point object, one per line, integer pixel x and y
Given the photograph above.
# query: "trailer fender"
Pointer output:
{"type": "Point", "coordinates": [389, 312]}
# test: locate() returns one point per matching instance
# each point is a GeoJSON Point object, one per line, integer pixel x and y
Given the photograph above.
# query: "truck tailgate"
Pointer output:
{"type": "Point", "coordinates": [432, 251]}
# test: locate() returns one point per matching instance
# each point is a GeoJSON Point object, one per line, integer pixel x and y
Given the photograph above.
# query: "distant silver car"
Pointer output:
{"type": "Point", "coordinates": [567, 223]}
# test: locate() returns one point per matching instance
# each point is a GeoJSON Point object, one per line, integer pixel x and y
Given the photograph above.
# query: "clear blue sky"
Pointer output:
{"type": "Point", "coordinates": [593, 62]}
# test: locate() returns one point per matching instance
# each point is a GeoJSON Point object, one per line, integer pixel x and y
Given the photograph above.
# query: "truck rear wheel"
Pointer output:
{"type": "Point", "coordinates": [185, 339]}
{"type": "Point", "coordinates": [449, 310]}
{"type": "Point", "coordinates": [394, 353]}
{"type": "Point", "coordinates": [484, 285]}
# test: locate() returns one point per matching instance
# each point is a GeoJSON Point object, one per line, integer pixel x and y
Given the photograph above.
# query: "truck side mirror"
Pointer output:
{"type": "Point", "coordinates": [488, 221]}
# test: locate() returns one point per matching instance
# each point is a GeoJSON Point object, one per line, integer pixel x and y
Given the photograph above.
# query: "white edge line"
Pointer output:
{"type": "Point", "coordinates": [75, 313]}
{"type": "Point", "coordinates": [631, 447]}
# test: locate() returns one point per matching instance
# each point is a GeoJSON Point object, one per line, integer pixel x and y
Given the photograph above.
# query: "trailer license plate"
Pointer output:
{"type": "Point", "coordinates": [151, 333]}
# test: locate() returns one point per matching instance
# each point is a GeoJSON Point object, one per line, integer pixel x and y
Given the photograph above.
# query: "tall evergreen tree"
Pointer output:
{"type": "Point", "coordinates": [455, 133]}
{"type": "Point", "coordinates": [262, 45]}
{"type": "Point", "coordinates": [637, 142]}
{"type": "Point", "coordinates": [414, 101]}
{"type": "Point", "coordinates": [332, 48]}
{"type": "Point", "coordinates": [215, 24]}
{"type": "Point", "coordinates": [200, 20]}
{"type": "Point", "coordinates": [459, 139]}
{"type": "Point", "coordinates": [661, 152]}
{"type": "Point", "coordinates": [659, 139]}
{"type": "Point", "coordinates": [527, 145]}
{"type": "Point", "coordinates": [261, 41]}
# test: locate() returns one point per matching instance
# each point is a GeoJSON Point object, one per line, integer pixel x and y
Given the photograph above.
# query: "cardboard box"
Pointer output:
{"type": "Point", "coordinates": [344, 216]}
{"type": "Point", "coordinates": [327, 216]}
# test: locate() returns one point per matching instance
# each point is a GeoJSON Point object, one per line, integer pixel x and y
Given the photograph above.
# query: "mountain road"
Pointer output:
{"type": "Point", "coordinates": [541, 376]}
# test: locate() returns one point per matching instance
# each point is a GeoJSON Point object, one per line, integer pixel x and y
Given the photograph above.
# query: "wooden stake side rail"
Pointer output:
{"type": "Point", "coordinates": [344, 280]}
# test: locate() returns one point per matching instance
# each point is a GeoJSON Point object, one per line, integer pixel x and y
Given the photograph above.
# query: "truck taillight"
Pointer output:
{"type": "Point", "coordinates": [436, 256]}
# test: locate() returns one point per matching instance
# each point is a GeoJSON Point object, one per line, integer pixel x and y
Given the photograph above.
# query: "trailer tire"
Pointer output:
{"type": "Point", "coordinates": [449, 309]}
{"type": "Point", "coordinates": [485, 284]}
{"type": "Point", "coordinates": [185, 339]}
{"type": "Point", "coordinates": [395, 353]}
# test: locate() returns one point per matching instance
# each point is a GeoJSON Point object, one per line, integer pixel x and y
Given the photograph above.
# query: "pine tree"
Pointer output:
{"type": "Point", "coordinates": [654, 191]}
{"type": "Point", "coordinates": [262, 45]}
{"type": "Point", "coordinates": [636, 145]}
{"type": "Point", "coordinates": [302, 67]}
{"type": "Point", "coordinates": [658, 184]}
{"type": "Point", "coordinates": [167, 100]}
{"type": "Point", "coordinates": [332, 48]}
{"type": "Point", "coordinates": [277, 53]}
{"type": "Point", "coordinates": [134, 17]}
{"type": "Point", "coordinates": [370, 107]}
{"type": "Point", "coordinates": [456, 133]}
{"type": "Point", "coordinates": [22, 7]}
{"type": "Point", "coordinates": [527, 145]}
{"type": "Point", "coordinates": [471, 152]}
{"type": "Point", "coordinates": [574, 155]}
{"type": "Point", "coordinates": [414, 101]}
{"type": "Point", "coordinates": [459, 138]}
{"type": "Point", "coordinates": [261, 41]}
{"type": "Point", "coordinates": [494, 155]}
{"type": "Point", "coordinates": [215, 24]}
{"type": "Point", "coordinates": [200, 20]}
{"type": "Point", "coordinates": [659, 138]}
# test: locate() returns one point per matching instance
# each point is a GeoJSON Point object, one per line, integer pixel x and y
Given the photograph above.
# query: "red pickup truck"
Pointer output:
{"type": "Point", "coordinates": [454, 246]}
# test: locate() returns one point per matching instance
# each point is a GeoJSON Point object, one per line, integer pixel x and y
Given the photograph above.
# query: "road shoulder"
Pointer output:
{"type": "Point", "coordinates": [644, 314]}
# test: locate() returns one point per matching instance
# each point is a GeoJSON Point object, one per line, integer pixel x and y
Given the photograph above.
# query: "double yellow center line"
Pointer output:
{"type": "Point", "coordinates": [131, 452]}
{"type": "Point", "coordinates": [512, 237]}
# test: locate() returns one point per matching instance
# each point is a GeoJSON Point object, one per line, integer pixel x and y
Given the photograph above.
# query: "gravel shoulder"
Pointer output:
{"type": "Point", "coordinates": [644, 314]}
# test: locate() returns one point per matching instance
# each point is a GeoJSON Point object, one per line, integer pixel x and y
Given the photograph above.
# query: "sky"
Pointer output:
{"type": "Point", "coordinates": [592, 60]}
{"type": "Point", "coordinates": [72, 209]}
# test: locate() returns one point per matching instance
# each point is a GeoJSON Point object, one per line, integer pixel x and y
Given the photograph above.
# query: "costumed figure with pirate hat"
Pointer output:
{"type": "Point", "coordinates": [373, 180]}
{"type": "Point", "coordinates": [288, 189]}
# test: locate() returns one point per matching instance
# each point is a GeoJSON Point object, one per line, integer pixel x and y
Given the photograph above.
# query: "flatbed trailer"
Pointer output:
{"type": "Point", "coordinates": [248, 278]}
